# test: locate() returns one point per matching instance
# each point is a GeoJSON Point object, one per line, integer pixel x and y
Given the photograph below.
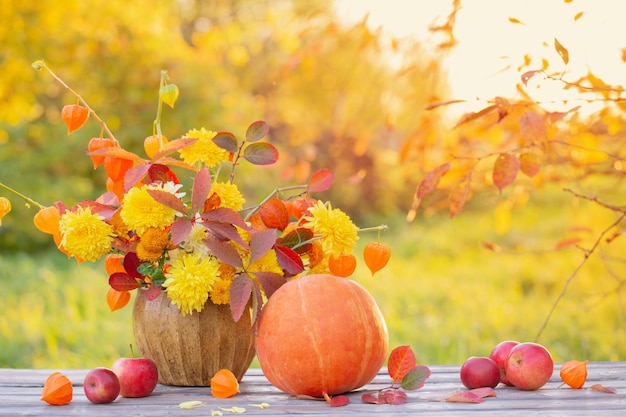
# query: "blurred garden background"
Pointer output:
{"type": "Point", "coordinates": [472, 265]}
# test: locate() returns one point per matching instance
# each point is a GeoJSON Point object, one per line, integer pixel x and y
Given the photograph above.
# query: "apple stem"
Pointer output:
{"type": "Point", "coordinates": [132, 352]}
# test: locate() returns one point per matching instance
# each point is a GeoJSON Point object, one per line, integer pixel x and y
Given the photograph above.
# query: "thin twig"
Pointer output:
{"type": "Point", "coordinates": [587, 254]}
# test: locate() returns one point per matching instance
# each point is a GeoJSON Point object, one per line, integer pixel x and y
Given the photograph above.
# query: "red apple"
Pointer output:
{"type": "Point", "coordinates": [479, 372]}
{"type": "Point", "coordinates": [101, 385]}
{"type": "Point", "coordinates": [499, 354]}
{"type": "Point", "coordinates": [138, 376]}
{"type": "Point", "coordinates": [529, 366]}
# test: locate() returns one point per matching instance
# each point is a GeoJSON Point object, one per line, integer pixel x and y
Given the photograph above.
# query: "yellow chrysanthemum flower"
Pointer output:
{"type": "Point", "coordinates": [204, 149]}
{"type": "Point", "coordinates": [189, 280]}
{"type": "Point", "coordinates": [195, 240]}
{"type": "Point", "coordinates": [85, 235]}
{"type": "Point", "coordinates": [140, 211]}
{"type": "Point", "coordinates": [229, 195]}
{"type": "Point", "coordinates": [221, 291]}
{"type": "Point", "coordinates": [152, 244]}
{"type": "Point", "coordinates": [339, 234]}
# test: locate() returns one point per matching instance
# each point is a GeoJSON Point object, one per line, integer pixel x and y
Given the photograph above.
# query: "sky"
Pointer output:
{"type": "Point", "coordinates": [490, 47]}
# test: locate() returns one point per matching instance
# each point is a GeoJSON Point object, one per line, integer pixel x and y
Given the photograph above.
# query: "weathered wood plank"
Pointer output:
{"type": "Point", "coordinates": [20, 392]}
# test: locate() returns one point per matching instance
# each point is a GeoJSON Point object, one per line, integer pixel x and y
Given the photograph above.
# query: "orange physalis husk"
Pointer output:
{"type": "Point", "coordinates": [342, 265]}
{"type": "Point", "coordinates": [5, 207]}
{"type": "Point", "coordinates": [574, 373]}
{"type": "Point", "coordinates": [47, 220]}
{"type": "Point", "coordinates": [376, 255]}
{"type": "Point", "coordinates": [116, 167]}
{"type": "Point", "coordinates": [74, 117]}
{"type": "Point", "coordinates": [224, 384]}
{"type": "Point", "coordinates": [117, 299]}
{"type": "Point", "coordinates": [96, 144]}
{"type": "Point", "coordinates": [57, 390]}
{"type": "Point", "coordinates": [113, 263]}
{"type": "Point", "coordinates": [152, 146]}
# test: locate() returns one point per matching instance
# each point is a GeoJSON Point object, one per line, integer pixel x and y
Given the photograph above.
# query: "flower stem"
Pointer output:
{"type": "Point", "coordinates": [157, 120]}
{"type": "Point", "coordinates": [28, 200]}
{"type": "Point", "coordinates": [41, 64]}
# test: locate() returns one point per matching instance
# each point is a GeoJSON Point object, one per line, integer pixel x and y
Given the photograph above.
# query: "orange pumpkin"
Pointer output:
{"type": "Point", "coordinates": [321, 334]}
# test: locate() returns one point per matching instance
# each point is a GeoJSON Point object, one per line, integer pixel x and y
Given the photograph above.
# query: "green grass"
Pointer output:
{"type": "Point", "coordinates": [443, 293]}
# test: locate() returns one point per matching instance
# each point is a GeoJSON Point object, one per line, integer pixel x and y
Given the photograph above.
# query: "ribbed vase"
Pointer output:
{"type": "Point", "coordinates": [189, 350]}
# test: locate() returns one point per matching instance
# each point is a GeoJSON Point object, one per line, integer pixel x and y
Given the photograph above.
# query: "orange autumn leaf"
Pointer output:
{"type": "Point", "coordinates": [113, 263]}
{"type": "Point", "coordinates": [505, 170]}
{"type": "Point", "coordinates": [574, 373]}
{"type": "Point", "coordinates": [459, 194]}
{"type": "Point", "coordinates": [274, 214]}
{"type": "Point", "coordinates": [401, 361]}
{"type": "Point", "coordinates": [74, 117]}
{"type": "Point", "coordinates": [47, 220]}
{"type": "Point", "coordinates": [224, 384]}
{"type": "Point", "coordinates": [117, 299]}
{"type": "Point", "coordinates": [342, 265]}
{"type": "Point", "coordinates": [57, 389]}
{"type": "Point", "coordinates": [376, 255]}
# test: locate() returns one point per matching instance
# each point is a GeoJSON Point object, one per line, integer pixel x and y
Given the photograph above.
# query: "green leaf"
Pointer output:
{"type": "Point", "coordinates": [261, 154]}
{"type": "Point", "coordinates": [257, 131]}
{"type": "Point", "coordinates": [415, 378]}
{"type": "Point", "coordinates": [169, 94]}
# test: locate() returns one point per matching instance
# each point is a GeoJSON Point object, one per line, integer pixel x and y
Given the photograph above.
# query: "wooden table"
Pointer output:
{"type": "Point", "coordinates": [20, 393]}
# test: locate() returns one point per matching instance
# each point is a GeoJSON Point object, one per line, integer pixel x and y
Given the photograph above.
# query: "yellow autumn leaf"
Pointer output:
{"type": "Point", "coordinates": [216, 413]}
{"type": "Point", "coordinates": [188, 405]}
{"type": "Point", "coordinates": [234, 410]}
{"type": "Point", "coordinates": [262, 406]}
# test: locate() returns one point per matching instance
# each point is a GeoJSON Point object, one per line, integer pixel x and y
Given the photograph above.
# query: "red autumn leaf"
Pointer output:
{"type": "Point", "coordinates": [168, 199]}
{"type": "Point", "coordinates": [261, 153]}
{"type": "Point", "coordinates": [260, 243]}
{"type": "Point", "coordinates": [532, 127]}
{"type": "Point", "coordinates": [374, 398]}
{"type": "Point", "coordinates": [401, 361]}
{"type": "Point", "coordinates": [484, 392]}
{"type": "Point", "coordinates": [257, 131]}
{"type": "Point", "coordinates": [74, 117]}
{"type": "Point", "coordinates": [528, 75]}
{"type": "Point", "coordinates": [562, 51]}
{"type": "Point", "coordinates": [270, 281]}
{"type": "Point", "coordinates": [161, 173]}
{"type": "Point", "coordinates": [274, 214]}
{"type": "Point", "coordinates": [505, 170]}
{"type": "Point", "coordinates": [464, 397]}
{"type": "Point", "coordinates": [337, 400]}
{"type": "Point", "coordinates": [415, 378]}
{"type": "Point", "coordinates": [567, 242]}
{"type": "Point", "coordinates": [458, 195]}
{"type": "Point", "coordinates": [602, 388]}
{"type": "Point", "coordinates": [153, 292]}
{"type": "Point", "coordinates": [134, 175]}
{"type": "Point", "coordinates": [321, 180]}
{"type": "Point", "coordinates": [240, 291]}
{"type": "Point", "coordinates": [224, 252]}
{"type": "Point", "coordinates": [227, 141]}
{"type": "Point", "coordinates": [121, 281]}
{"type": "Point", "coordinates": [201, 188]}
{"type": "Point", "coordinates": [289, 260]}
{"type": "Point", "coordinates": [530, 162]}
{"type": "Point", "coordinates": [131, 264]}
{"type": "Point", "coordinates": [181, 228]}
{"type": "Point", "coordinates": [432, 179]}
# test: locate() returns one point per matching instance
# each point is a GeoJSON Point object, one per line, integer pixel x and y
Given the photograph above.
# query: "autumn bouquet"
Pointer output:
{"type": "Point", "coordinates": [203, 241]}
